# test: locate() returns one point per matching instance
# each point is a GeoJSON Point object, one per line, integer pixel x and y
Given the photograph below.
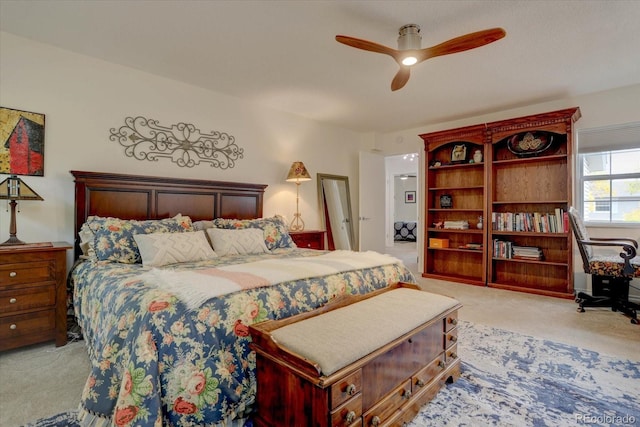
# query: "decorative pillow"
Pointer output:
{"type": "Point", "coordinates": [158, 249]}
{"type": "Point", "coordinates": [276, 234]}
{"type": "Point", "coordinates": [237, 242]}
{"type": "Point", "coordinates": [94, 223]}
{"type": "Point", "coordinates": [113, 240]}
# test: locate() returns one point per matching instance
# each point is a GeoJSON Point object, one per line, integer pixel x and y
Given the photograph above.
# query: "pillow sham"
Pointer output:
{"type": "Point", "coordinates": [276, 234]}
{"type": "Point", "coordinates": [113, 239]}
{"type": "Point", "coordinates": [158, 249]}
{"type": "Point", "coordinates": [237, 242]}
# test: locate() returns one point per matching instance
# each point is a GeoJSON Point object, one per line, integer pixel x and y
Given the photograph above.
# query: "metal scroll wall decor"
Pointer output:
{"type": "Point", "coordinates": [146, 139]}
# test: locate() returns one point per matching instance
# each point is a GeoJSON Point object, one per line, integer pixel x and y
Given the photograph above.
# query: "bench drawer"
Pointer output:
{"type": "Point", "coordinates": [346, 388]}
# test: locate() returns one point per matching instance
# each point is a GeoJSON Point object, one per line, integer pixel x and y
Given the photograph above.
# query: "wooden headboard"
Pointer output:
{"type": "Point", "coordinates": [146, 197]}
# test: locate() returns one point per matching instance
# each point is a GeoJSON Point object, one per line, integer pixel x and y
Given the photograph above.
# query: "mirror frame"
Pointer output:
{"type": "Point", "coordinates": [320, 178]}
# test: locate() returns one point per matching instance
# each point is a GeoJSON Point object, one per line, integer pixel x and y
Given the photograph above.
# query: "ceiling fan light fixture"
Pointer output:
{"type": "Point", "coordinates": [409, 39]}
{"type": "Point", "coordinates": [409, 60]}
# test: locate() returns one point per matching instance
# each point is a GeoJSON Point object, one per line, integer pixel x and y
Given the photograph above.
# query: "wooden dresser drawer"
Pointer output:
{"type": "Point", "coordinates": [451, 321]}
{"type": "Point", "coordinates": [25, 298]}
{"type": "Point", "coordinates": [27, 272]}
{"type": "Point", "coordinates": [346, 388]}
{"type": "Point", "coordinates": [428, 373]}
{"type": "Point", "coordinates": [33, 294]}
{"type": "Point", "coordinates": [450, 337]}
{"type": "Point", "coordinates": [347, 414]}
{"type": "Point", "coordinates": [23, 325]}
{"type": "Point", "coordinates": [386, 407]}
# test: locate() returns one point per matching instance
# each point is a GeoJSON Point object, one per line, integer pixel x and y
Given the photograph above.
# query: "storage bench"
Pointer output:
{"type": "Point", "coordinates": [362, 360]}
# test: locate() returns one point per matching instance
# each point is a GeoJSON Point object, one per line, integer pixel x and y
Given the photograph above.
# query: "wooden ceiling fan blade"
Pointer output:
{"type": "Point", "coordinates": [401, 78]}
{"type": "Point", "coordinates": [367, 45]}
{"type": "Point", "coordinates": [462, 43]}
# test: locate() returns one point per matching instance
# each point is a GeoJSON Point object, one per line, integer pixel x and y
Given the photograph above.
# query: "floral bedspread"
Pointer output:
{"type": "Point", "coordinates": [156, 362]}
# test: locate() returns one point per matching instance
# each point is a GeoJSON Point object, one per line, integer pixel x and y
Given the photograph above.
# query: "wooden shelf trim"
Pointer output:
{"type": "Point", "coordinates": [532, 261]}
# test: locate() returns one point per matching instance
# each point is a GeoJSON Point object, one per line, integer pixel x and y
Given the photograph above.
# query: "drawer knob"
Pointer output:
{"type": "Point", "coordinates": [351, 389]}
{"type": "Point", "coordinates": [453, 355]}
{"type": "Point", "coordinates": [375, 421]}
{"type": "Point", "coordinates": [13, 326]}
{"type": "Point", "coordinates": [453, 338]}
{"type": "Point", "coordinates": [407, 394]}
{"type": "Point", "coordinates": [13, 301]}
{"type": "Point", "coordinates": [441, 365]}
{"type": "Point", "coordinates": [350, 417]}
{"type": "Point", "coordinates": [453, 321]}
{"type": "Point", "coordinates": [420, 382]}
{"type": "Point", "coordinates": [13, 274]}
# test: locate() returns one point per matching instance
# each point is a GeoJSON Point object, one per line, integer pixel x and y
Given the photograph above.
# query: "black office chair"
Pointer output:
{"type": "Point", "coordinates": [610, 274]}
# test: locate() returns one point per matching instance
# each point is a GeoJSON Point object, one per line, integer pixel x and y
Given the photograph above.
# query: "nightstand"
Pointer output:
{"type": "Point", "coordinates": [33, 294]}
{"type": "Point", "coordinates": [308, 239]}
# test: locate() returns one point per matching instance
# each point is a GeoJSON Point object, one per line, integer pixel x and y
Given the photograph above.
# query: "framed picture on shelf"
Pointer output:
{"type": "Point", "coordinates": [459, 153]}
{"type": "Point", "coordinates": [446, 201]}
{"type": "Point", "coordinates": [409, 196]}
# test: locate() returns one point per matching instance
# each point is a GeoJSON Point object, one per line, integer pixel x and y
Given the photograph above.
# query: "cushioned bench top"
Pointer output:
{"type": "Point", "coordinates": [340, 337]}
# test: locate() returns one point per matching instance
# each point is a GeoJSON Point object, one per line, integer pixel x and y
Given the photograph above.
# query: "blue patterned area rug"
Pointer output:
{"type": "Point", "coordinates": [510, 379]}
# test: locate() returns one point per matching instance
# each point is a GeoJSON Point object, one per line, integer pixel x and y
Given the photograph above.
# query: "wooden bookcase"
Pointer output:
{"type": "Point", "coordinates": [527, 169]}
{"type": "Point", "coordinates": [465, 185]}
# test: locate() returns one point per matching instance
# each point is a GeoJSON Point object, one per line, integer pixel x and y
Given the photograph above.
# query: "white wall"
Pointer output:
{"type": "Point", "coordinates": [83, 98]}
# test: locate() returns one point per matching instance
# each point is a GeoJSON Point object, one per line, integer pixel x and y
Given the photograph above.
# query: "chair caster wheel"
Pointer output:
{"type": "Point", "coordinates": [580, 310]}
{"type": "Point", "coordinates": [578, 300]}
{"type": "Point", "coordinates": [634, 321]}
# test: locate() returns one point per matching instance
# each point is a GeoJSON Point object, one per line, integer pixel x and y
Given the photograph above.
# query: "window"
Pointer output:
{"type": "Point", "coordinates": [610, 184]}
{"type": "Point", "coordinates": [608, 171]}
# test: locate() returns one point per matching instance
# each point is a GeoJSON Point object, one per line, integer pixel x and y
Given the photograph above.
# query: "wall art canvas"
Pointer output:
{"type": "Point", "coordinates": [409, 196]}
{"type": "Point", "coordinates": [21, 142]}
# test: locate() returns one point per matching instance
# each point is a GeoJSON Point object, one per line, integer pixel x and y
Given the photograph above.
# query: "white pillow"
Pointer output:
{"type": "Point", "coordinates": [237, 242]}
{"type": "Point", "coordinates": [157, 249]}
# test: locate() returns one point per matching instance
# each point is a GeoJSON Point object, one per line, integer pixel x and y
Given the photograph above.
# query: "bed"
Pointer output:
{"type": "Point", "coordinates": [167, 330]}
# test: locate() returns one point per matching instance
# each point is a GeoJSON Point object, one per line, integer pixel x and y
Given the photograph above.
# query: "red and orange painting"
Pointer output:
{"type": "Point", "coordinates": [21, 142]}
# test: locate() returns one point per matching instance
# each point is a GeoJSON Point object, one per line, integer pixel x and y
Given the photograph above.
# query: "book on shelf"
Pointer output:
{"type": "Point", "coordinates": [536, 222]}
{"type": "Point", "coordinates": [472, 246]}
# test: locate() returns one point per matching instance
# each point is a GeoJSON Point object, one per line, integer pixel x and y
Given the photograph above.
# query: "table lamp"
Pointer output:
{"type": "Point", "coordinates": [15, 189]}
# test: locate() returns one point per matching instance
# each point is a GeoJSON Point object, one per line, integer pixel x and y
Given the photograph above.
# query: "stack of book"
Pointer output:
{"type": "Point", "coordinates": [457, 225]}
{"type": "Point", "coordinates": [527, 252]}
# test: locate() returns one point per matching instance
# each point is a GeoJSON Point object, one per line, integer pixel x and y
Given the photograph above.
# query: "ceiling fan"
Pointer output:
{"type": "Point", "coordinates": [410, 53]}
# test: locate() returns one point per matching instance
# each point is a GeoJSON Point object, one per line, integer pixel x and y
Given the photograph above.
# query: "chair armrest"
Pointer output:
{"type": "Point", "coordinates": [602, 239]}
{"type": "Point", "coordinates": [629, 250]}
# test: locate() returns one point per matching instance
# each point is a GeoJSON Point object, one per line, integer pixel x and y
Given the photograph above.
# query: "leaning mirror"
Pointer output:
{"type": "Point", "coordinates": [335, 206]}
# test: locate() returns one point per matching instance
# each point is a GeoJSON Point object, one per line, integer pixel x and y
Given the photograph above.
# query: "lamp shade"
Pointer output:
{"type": "Point", "coordinates": [298, 172]}
{"type": "Point", "coordinates": [14, 188]}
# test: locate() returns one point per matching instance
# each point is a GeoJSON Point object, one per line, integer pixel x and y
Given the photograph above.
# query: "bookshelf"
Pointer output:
{"type": "Point", "coordinates": [462, 182]}
{"type": "Point", "coordinates": [521, 189]}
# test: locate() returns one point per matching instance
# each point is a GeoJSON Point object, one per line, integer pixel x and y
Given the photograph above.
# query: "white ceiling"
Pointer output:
{"type": "Point", "coordinates": [282, 54]}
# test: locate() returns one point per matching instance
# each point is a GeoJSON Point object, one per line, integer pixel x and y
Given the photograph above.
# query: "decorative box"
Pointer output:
{"type": "Point", "coordinates": [438, 243]}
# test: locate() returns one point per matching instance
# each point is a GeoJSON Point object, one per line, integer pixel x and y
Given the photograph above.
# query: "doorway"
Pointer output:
{"type": "Point", "coordinates": [402, 212]}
